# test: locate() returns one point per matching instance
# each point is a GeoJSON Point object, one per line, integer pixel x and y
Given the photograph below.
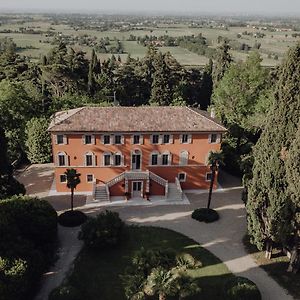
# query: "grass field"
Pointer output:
{"type": "Point", "coordinates": [275, 43]}
{"type": "Point", "coordinates": [96, 274]}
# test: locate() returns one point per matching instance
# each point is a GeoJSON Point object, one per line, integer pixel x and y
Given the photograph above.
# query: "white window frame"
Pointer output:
{"type": "Point", "coordinates": [93, 178]}
{"type": "Point", "coordinates": [92, 139]}
{"type": "Point", "coordinates": [65, 176]}
{"type": "Point", "coordinates": [65, 139]}
{"type": "Point", "coordinates": [158, 140]}
{"type": "Point", "coordinates": [218, 138]}
{"type": "Point", "coordinates": [189, 138]}
{"type": "Point", "coordinates": [141, 139]}
{"type": "Point", "coordinates": [103, 139]}
{"type": "Point", "coordinates": [178, 176]}
{"type": "Point", "coordinates": [121, 159]}
{"type": "Point", "coordinates": [181, 162]}
{"type": "Point", "coordinates": [66, 159]}
{"type": "Point", "coordinates": [93, 159]}
{"type": "Point", "coordinates": [121, 139]}
{"type": "Point", "coordinates": [110, 159]}
{"type": "Point", "coordinates": [158, 158]}
{"type": "Point", "coordinates": [169, 158]}
{"type": "Point", "coordinates": [208, 180]}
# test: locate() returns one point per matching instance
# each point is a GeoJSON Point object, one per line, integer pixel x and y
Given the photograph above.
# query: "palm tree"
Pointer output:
{"type": "Point", "coordinates": [73, 179]}
{"type": "Point", "coordinates": [214, 160]}
{"type": "Point", "coordinates": [161, 282]}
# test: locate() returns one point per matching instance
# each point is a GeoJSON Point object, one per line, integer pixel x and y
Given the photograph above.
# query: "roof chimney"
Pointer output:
{"type": "Point", "coordinates": [212, 113]}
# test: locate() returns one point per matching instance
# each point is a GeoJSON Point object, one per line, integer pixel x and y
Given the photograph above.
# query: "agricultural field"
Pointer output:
{"type": "Point", "coordinates": [272, 45]}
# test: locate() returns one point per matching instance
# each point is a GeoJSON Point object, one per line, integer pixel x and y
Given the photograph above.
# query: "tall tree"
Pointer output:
{"type": "Point", "coordinates": [9, 186]}
{"type": "Point", "coordinates": [73, 179]}
{"type": "Point", "coordinates": [222, 63]}
{"type": "Point", "coordinates": [160, 89]}
{"type": "Point", "coordinates": [269, 206]}
{"type": "Point", "coordinates": [293, 175]}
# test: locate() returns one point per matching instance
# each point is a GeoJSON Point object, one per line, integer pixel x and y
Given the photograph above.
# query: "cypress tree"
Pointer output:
{"type": "Point", "coordinates": [293, 177]}
{"type": "Point", "coordinates": [269, 205]}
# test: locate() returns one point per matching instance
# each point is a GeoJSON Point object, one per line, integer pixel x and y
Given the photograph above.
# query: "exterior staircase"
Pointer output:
{"type": "Point", "coordinates": [174, 194]}
{"type": "Point", "coordinates": [101, 194]}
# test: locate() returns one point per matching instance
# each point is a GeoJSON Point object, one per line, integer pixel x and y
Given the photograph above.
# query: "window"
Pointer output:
{"type": "Point", "coordinates": [61, 159]}
{"type": "Point", "coordinates": [89, 160]}
{"type": "Point", "coordinates": [89, 178]}
{"type": "Point", "coordinates": [165, 159]}
{"type": "Point", "coordinates": [208, 176]}
{"type": "Point", "coordinates": [118, 139]}
{"type": "Point", "coordinates": [213, 138]}
{"type": "Point", "coordinates": [60, 139]}
{"type": "Point", "coordinates": [107, 159]}
{"type": "Point", "coordinates": [182, 177]}
{"type": "Point", "coordinates": [117, 159]}
{"type": "Point", "coordinates": [183, 158]}
{"type": "Point", "coordinates": [166, 138]}
{"type": "Point", "coordinates": [106, 139]}
{"type": "Point", "coordinates": [136, 139]}
{"type": "Point", "coordinates": [63, 178]}
{"type": "Point", "coordinates": [184, 138]}
{"type": "Point", "coordinates": [154, 159]}
{"type": "Point", "coordinates": [155, 138]}
{"type": "Point", "coordinates": [88, 139]}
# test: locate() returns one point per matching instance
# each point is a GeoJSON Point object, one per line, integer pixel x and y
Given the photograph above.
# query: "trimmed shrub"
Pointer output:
{"type": "Point", "coordinates": [72, 218]}
{"type": "Point", "coordinates": [206, 215]}
{"type": "Point", "coordinates": [241, 288]}
{"type": "Point", "coordinates": [65, 292]}
{"type": "Point", "coordinates": [103, 231]}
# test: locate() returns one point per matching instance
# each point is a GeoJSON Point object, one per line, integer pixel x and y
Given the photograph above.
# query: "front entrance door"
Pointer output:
{"type": "Point", "coordinates": [137, 189]}
{"type": "Point", "coordinates": [136, 161]}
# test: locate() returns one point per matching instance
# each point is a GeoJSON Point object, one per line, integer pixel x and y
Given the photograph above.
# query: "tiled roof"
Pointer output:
{"type": "Point", "coordinates": [134, 119]}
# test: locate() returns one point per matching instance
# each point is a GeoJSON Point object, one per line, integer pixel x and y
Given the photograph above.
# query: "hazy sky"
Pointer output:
{"type": "Point", "coordinates": [195, 6]}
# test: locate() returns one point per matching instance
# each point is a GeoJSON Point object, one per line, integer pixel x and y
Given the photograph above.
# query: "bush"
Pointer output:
{"type": "Point", "coordinates": [72, 218]}
{"type": "Point", "coordinates": [206, 215]}
{"type": "Point", "coordinates": [65, 292]}
{"type": "Point", "coordinates": [241, 288]}
{"type": "Point", "coordinates": [28, 233]}
{"type": "Point", "coordinates": [103, 231]}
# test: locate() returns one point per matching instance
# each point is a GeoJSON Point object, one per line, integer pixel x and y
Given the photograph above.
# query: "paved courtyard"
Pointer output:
{"type": "Point", "coordinates": [222, 238]}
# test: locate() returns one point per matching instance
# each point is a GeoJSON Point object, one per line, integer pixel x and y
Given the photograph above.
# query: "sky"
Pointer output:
{"type": "Point", "coordinates": [269, 7]}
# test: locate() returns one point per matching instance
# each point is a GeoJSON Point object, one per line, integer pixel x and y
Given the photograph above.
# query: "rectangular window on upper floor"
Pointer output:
{"type": "Point", "coordinates": [106, 139]}
{"type": "Point", "coordinates": [117, 160]}
{"type": "Point", "coordinates": [89, 160]}
{"type": "Point", "coordinates": [214, 138]}
{"type": "Point", "coordinates": [136, 139]}
{"type": "Point", "coordinates": [185, 138]}
{"type": "Point", "coordinates": [61, 139]}
{"type": "Point", "coordinates": [166, 139]}
{"type": "Point", "coordinates": [165, 159]}
{"type": "Point", "coordinates": [154, 159]}
{"type": "Point", "coordinates": [61, 160]}
{"type": "Point", "coordinates": [118, 139]}
{"type": "Point", "coordinates": [155, 139]}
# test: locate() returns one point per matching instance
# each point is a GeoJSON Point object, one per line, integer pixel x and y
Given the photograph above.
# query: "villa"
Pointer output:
{"type": "Point", "coordinates": [135, 152]}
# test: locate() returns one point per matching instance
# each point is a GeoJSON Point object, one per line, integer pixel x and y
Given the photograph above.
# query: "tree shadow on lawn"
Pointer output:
{"type": "Point", "coordinates": [97, 273]}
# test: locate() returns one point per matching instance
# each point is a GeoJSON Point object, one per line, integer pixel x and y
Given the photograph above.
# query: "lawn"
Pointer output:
{"type": "Point", "coordinates": [276, 267]}
{"type": "Point", "coordinates": [96, 274]}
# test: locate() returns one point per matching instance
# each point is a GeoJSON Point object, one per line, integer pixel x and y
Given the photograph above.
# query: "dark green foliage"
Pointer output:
{"type": "Point", "coordinates": [241, 100]}
{"type": "Point", "coordinates": [38, 141]}
{"type": "Point", "coordinates": [206, 215]}
{"type": "Point", "coordinates": [28, 232]}
{"type": "Point", "coordinates": [9, 186]}
{"type": "Point", "coordinates": [241, 288]}
{"type": "Point", "coordinates": [102, 231]}
{"type": "Point", "coordinates": [65, 292]}
{"type": "Point", "coordinates": [73, 179]}
{"type": "Point", "coordinates": [72, 218]}
{"type": "Point", "coordinates": [269, 204]}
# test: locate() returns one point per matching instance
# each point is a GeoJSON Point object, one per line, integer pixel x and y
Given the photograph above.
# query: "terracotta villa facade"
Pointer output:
{"type": "Point", "coordinates": [134, 151]}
